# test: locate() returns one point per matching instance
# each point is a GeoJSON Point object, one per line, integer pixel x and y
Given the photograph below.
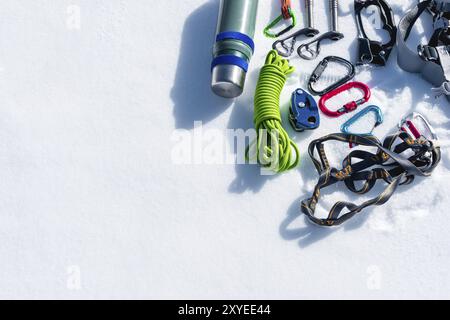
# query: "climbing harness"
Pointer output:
{"type": "Point", "coordinates": [304, 113]}
{"type": "Point", "coordinates": [378, 120]}
{"type": "Point", "coordinates": [274, 148]}
{"type": "Point", "coordinates": [395, 163]}
{"type": "Point", "coordinates": [371, 51]}
{"type": "Point", "coordinates": [311, 50]}
{"type": "Point", "coordinates": [317, 73]}
{"type": "Point", "coordinates": [286, 14]}
{"type": "Point", "coordinates": [432, 61]}
{"type": "Point", "coordinates": [348, 107]}
{"type": "Point", "coordinates": [286, 47]}
{"type": "Point", "coordinates": [412, 124]}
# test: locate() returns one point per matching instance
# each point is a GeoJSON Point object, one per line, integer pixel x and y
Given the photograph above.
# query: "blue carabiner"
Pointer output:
{"type": "Point", "coordinates": [379, 120]}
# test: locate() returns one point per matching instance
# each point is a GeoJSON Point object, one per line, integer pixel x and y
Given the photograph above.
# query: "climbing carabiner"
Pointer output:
{"type": "Point", "coordinates": [317, 73]}
{"type": "Point", "coordinates": [409, 124]}
{"type": "Point", "coordinates": [311, 50]}
{"type": "Point", "coordinates": [348, 107]}
{"type": "Point", "coordinates": [378, 120]}
{"type": "Point", "coordinates": [286, 14]}
{"type": "Point", "coordinates": [289, 48]}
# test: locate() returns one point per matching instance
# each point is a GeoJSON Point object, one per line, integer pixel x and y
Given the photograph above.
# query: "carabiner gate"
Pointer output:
{"type": "Point", "coordinates": [409, 125]}
{"type": "Point", "coordinates": [286, 14]}
{"type": "Point", "coordinates": [317, 73]}
{"type": "Point", "coordinates": [348, 107]}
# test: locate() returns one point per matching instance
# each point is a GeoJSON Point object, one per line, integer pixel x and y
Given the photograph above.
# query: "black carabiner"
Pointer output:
{"type": "Point", "coordinates": [289, 48]}
{"type": "Point", "coordinates": [317, 73]}
{"type": "Point", "coordinates": [370, 51]}
{"type": "Point", "coordinates": [313, 48]}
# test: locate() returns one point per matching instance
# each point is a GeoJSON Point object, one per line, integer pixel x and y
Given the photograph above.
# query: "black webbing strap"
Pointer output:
{"type": "Point", "coordinates": [388, 164]}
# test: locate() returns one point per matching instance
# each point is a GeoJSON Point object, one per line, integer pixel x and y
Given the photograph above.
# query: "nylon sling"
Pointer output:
{"type": "Point", "coordinates": [388, 164]}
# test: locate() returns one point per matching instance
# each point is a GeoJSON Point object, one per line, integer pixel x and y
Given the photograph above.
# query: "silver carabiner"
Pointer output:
{"type": "Point", "coordinates": [408, 125]}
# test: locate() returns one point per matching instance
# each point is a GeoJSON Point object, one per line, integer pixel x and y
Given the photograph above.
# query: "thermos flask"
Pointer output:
{"type": "Point", "coordinates": [234, 46]}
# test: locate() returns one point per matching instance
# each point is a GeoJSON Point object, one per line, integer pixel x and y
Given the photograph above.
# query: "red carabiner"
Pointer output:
{"type": "Point", "coordinates": [349, 107]}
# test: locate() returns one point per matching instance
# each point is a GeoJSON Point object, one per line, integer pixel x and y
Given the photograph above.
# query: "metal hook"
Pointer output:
{"type": "Point", "coordinates": [313, 48]}
{"type": "Point", "coordinates": [289, 48]}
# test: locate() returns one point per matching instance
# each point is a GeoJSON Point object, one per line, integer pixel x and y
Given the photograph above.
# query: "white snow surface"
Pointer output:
{"type": "Point", "coordinates": [93, 205]}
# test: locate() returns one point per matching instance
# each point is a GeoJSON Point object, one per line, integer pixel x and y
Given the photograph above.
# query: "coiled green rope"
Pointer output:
{"type": "Point", "coordinates": [274, 147]}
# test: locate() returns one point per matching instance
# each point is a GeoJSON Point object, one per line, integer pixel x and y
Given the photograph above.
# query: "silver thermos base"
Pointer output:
{"type": "Point", "coordinates": [228, 81]}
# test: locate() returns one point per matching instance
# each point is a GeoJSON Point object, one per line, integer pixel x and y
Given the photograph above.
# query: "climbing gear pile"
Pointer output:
{"type": "Point", "coordinates": [277, 151]}
{"type": "Point", "coordinates": [304, 113]}
{"type": "Point", "coordinates": [432, 61]}
{"type": "Point", "coordinates": [287, 14]}
{"type": "Point", "coordinates": [320, 69]}
{"type": "Point", "coordinates": [410, 152]}
{"type": "Point", "coordinates": [371, 51]}
{"type": "Point", "coordinates": [348, 107]}
{"type": "Point", "coordinates": [395, 164]}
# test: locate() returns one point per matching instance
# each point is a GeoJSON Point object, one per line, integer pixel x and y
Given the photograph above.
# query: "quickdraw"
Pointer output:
{"type": "Point", "coordinates": [348, 107]}
{"type": "Point", "coordinates": [378, 120]}
{"type": "Point", "coordinates": [390, 163]}
{"type": "Point", "coordinates": [317, 73]}
{"type": "Point", "coordinates": [286, 14]}
{"type": "Point", "coordinates": [304, 113]}
{"type": "Point", "coordinates": [371, 51]}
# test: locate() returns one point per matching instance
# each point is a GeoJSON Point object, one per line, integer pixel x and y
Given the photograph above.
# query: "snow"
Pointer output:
{"type": "Point", "coordinates": [95, 99]}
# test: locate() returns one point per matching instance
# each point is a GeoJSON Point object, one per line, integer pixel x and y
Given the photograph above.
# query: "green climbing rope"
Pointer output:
{"type": "Point", "coordinates": [274, 147]}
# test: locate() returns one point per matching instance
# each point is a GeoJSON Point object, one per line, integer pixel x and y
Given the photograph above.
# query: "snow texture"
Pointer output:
{"type": "Point", "coordinates": [93, 97]}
